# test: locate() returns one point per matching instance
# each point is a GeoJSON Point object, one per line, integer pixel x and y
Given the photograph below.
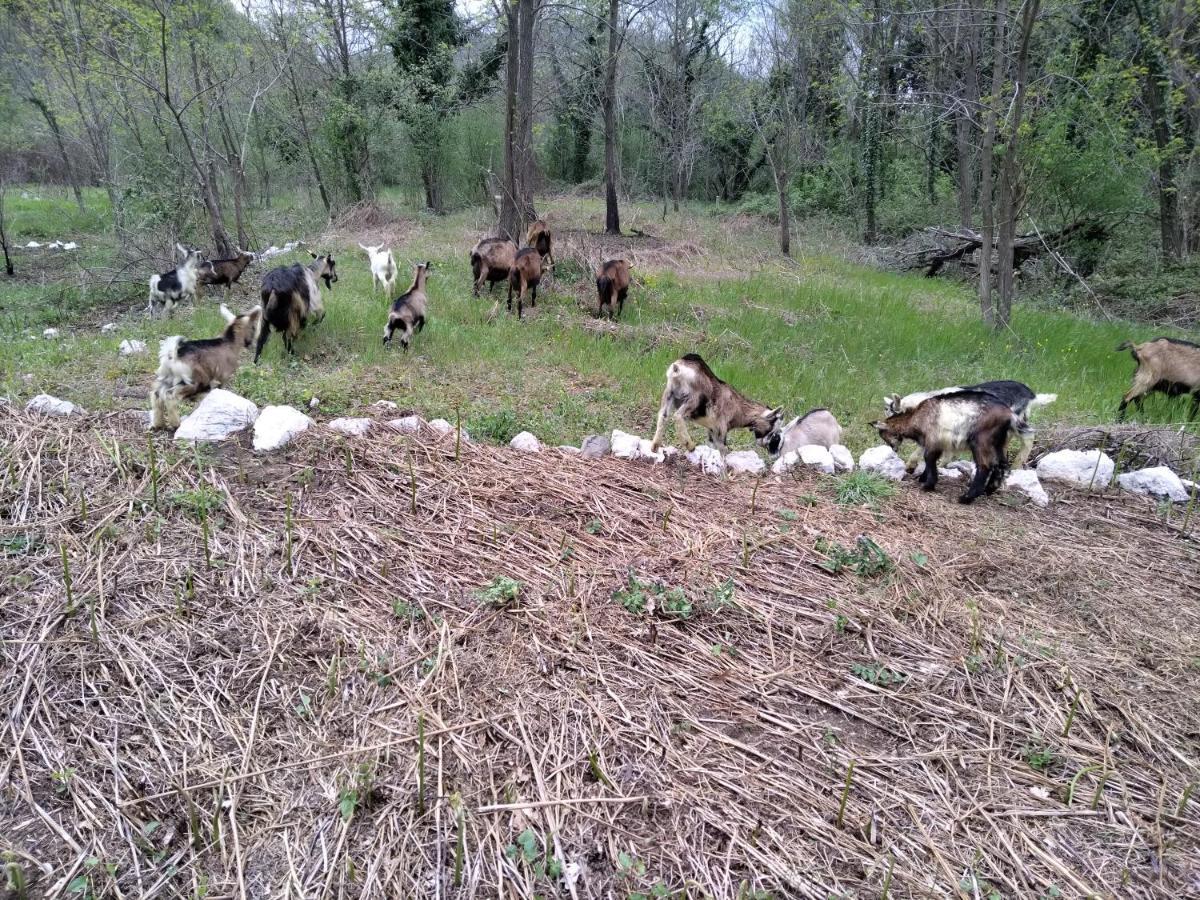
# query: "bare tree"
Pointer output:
{"type": "Point", "coordinates": [987, 162]}
{"type": "Point", "coordinates": [516, 202]}
{"type": "Point", "coordinates": [608, 103]}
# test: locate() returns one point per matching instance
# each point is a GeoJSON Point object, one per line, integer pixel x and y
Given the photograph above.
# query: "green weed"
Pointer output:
{"type": "Point", "coordinates": [500, 592]}
{"type": "Point", "coordinates": [861, 488]}
{"type": "Point", "coordinates": [866, 560]}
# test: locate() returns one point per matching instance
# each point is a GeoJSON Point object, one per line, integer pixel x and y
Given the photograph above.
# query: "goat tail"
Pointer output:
{"type": "Point", "coordinates": [168, 353]}
{"type": "Point", "coordinates": [1042, 400]}
{"type": "Point", "coordinates": [1127, 345]}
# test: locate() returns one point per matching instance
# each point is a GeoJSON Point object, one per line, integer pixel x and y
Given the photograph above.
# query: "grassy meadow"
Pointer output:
{"type": "Point", "coordinates": [818, 331]}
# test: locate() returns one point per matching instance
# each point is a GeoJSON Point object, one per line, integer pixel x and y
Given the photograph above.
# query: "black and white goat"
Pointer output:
{"type": "Point", "coordinates": [173, 287]}
{"type": "Point", "coordinates": [291, 298]}
{"type": "Point", "coordinates": [694, 394]}
{"type": "Point", "coordinates": [189, 368]}
{"type": "Point", "coordinates": [408, 310]}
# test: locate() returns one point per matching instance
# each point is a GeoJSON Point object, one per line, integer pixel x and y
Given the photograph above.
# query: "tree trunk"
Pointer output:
{"type": "Point", "coordinates": [782, 183]}
{"type": "Point", "coordinates": [1170, 227]}
{"type": "Point", "coordinates": [964, 125]}
{"type": "Point", "coordinates": [516, 200]}
{"type": "Point", "coordinates": [1008, 189]}
{"type": "Point", "coordinates": [8, 265]}
{"type": "Point", "coordinates": [988, 231]}
{"type": "Point", "coordinates": [52, 122]}
{"type": "Point", "coordinates": [612, 215]}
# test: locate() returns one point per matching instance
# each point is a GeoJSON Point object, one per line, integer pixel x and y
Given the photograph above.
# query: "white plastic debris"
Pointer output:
{"type": "Point", "coordinates": [1158, 481]}
{"type": "Point", "coordinates": [630, 446]}
{"type": "Point", "coordinates": [817, 457]}
{"type": "Point", "coordinates": [1025, 481]}
{"type": "Point", "coordinates": [70, 245]}
{"type": "Point", "coordinates": [882, 460]}
{"type": "Point", "coordinates": [526, 442]}
{"type": "Point", "coordinates": [707, 459]}
{"type": "Point", "coordinates": [406, 424]}
{"type": "Point", "coordinates": [744, 462]}
{"type": "Point", "coordinates": [350, 427]}
{"type": "Point", "coordinates": [33, 245]}
{"type": "Point", "coordinates": [132, 347]}
{"type": "Point", "coordinates": [50, 333]}
{"type": "Point", "coordinates": [220, 414]}
{"type": "Point", "coordinates": [46, 405]}
{"type": "Point", "coordinates": [278, 426]}
{"type": "Point", "coordinates": [108, 327]}
{"type": "Point", "coordinates": [843, 459]}
{"type": "Point", "coordinates": [385, 404]}
{"type": "Point", "coordinates": [279, 251]}
{"type": "Point", "coordinates": [1085, 467]}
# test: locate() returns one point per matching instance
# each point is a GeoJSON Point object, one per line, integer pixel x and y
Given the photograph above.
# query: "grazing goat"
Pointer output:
{"type": "Point", "coordinates": [383, 268]}
{"type": "Point", "coordinates": [290, 297]}
{"type": "Point", "coordinates": [189, 368]}
{"type": "Point", "coordinates": [612, 285]}
{"type": "Point", "coordinates": [172, 287]}
{"type": "Point", "coordinates": [525, 275]}
{"type": "Point", "coordinates": [693, 393]}
{"type": "Point", "coordinates": [1164, 364]}
{"type": "Point", "coordinates": [947, 423]}
{"type": "Point", "coordinates": [408, 312]}
{"type": "Point", "coordinates": [817, 427]}
{"type": "Point", "coordinates": [224, 272]}
{"type": "Point", "coordinates": [491, 261]}
{"type": "Point", "coordinates": [539, 239]}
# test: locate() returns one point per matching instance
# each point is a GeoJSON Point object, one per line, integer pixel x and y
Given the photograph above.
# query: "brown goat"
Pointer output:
{"type": "Point", "coordinates": [539, 239]}
{"type": "Point", "coordinates": [612, 286]}
{"type": "Point", "coordinates": [947, 423]}
{"type": "Point", "coordinates": [694, 394]}
{"type": "Point", "coordinates": [224, 272]}
{"type": "Point", "coordinates": [491, 261]}
{"type": "Point", "coordinates": [189, 368]}
{"type": "Point", "coordinates": [525, 275]}
{"type": "Point", "coordinates": [408, 310]}
{"type": "Point", "coordinates": [1164, 364]}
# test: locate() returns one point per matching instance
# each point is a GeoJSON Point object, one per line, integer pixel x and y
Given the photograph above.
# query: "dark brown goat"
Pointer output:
{"type": "Point", "coordinates": [694, 394]}
{"type": "Point", "coordinates": [224, 272]}
{"type": "Point", "coordinates": [291, 297]}
{"type": "Point", "coordinates": [491, 261]}
{"type": "Point", "coordinates": [947, 423]}
{"type": "Point", "coordinates": [525, 275]}
{"type": "Point", "coordinates": [408, 310]}
{"type": "Point", "coordinates": [539, 239]}
{"type": "Point", "coordinates": [1164, 364]}
{"type": "Point", "coordinates": [612, 286]}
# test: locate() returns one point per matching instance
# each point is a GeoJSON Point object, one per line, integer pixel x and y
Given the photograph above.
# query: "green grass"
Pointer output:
{"type": "Point", "coordinates": [818, 332]}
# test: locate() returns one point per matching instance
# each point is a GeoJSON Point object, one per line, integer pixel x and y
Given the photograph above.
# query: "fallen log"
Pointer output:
{"type": "Point", "coordinates": [949, 246]}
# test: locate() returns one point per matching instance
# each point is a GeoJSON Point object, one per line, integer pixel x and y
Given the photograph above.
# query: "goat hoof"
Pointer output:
{"type": "Point", "coordinates": [966, 499]}
{"type": "Point", "coordinates": [926, 486]}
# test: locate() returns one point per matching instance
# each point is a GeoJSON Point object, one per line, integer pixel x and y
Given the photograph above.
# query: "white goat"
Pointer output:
{"type": "Point", "coordinates": [383, 268]}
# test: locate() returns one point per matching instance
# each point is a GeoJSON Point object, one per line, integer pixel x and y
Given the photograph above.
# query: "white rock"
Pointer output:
{"type": "Point", "coordinates": [33, 245]}
{"type": "Point", "coordinates": [630, 446]}
{"type": "Point", "coordinates": [132, 347]}
{"type": "Point", "coordinates": [108, 327]}
{"type": "Point", "coordinates": [220, 414]}
{"type": "Point", "coordinates": [1085, 467]}
{"type": "Point", "coordinates": [407, 424]}
{"type": "Point", "coordinates": [843, 459]}
{"type": "Point", "coordinates": [50, 333]}
{"type": "Point", "coordinates": [1158, 481]}
{"type": "Point", "coordinates": [568, 449]}
{"type": "Point", "coordinates": [1025, 481]}
{"type": "Point", "coordinates": [278, 426]}
{"type": "Point", "coordinates": [46, 405]}
{"type": "Point", "coordinates": [70, 245]}
{"type": "Point", "coordinates": [526, 442]}
{"type": "Point", "coordinates": [965, 466]}
{"type": "Point", "coordinates": [786, 463]}
{"type": "Point", "coordinates": [817, 457]}
{"type": "Point", "coordinates": [385, 404]}
{"type": "Point", "coordinates": [744, 462]}
{"type": "Point", "coordinates": [350, 427]}
{"type": "Point", "coordinates": [314, 402]}
{"type": "Point", "coordinates": [707, 459]}
{"type": "Point", "coordinates": [444, 428]}
{"type": "Point", "coordinates": [882, 460]}
{"type": "Point", "coordinates": [952, 474]}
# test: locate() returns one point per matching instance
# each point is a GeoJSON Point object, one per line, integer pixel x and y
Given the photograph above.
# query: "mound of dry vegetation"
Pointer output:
{"type": "Point", "coordinates": [381, 668]}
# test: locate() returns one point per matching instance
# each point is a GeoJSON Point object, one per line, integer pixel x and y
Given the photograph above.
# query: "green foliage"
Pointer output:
{"type": "Point", "coordinates": [874, 673]}
{"type": "Point", "coordinates": [640, 597]}
{"type": "Point", "coordinates": [499, 425]}
{"type": "Point", "coordinates": [199, 502]}
{"type": "Point", "coordinates": [862, 488]}
{"type": "Point", "coordinates": [501, 591]}
{"type": "Point", "coordinates": [866, 560]}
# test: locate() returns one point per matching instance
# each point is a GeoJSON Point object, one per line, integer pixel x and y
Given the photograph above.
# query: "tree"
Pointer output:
{"type": "Point", "coordinates": [516, 200]}
{"type": "Point", "coordinates": [612, 214]}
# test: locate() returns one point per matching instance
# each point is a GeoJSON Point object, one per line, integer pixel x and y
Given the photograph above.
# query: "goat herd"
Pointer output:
{"type": "Point", "coordinates": [979, 418]}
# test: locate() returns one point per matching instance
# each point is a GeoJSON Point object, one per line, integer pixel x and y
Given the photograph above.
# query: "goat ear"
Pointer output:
{"type": "Point", "coordinates": [313, 255]}
{"type": "Point", "coordinates": [226, 314]}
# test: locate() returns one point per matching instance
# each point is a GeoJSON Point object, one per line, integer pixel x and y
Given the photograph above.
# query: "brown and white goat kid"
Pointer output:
{"type": "Point", "coordinates": [189, 368]}
{"type": "Point", "coordinates": [525, 276]}
{"type": "Point", "coordinates": [383, 268]}
{"type": "Point", "coordinates": [1164, 364]}
{"type": "Point", "coordinates": [172, 287]}
{"type": "Point", "coordinates": [612, 286]}
{"type": "Point", "coordinates": [539, 239]}
{"type": "Point", "coordinates": [491, 261]}
{"type": "Point", "coordinates": [291, 297]}
{"type": "Point", "coordinates": [408, 311]}
{"type": "Point", "coordinates": [225, 272]}
{"type": "Point", "coordinates": [966, 420]}
{"type": "Point", "coordinates": [694, 394]}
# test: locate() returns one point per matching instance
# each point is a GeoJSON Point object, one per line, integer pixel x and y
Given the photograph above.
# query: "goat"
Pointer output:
{"type": "Point", "coordinates": [408, 311]}
{"type": "Point", "coordinates": [383, 268]}
{"type": "Point", "coordinates": [525, 275]}
{"type": "Point", "coordinates": [1019, 397]}
{"type": "Point", "coordinates": [172, 287]}
{"type": "Point", "coordinates": [693, 393]}
{"type": "Point", "coordinates": [817, 427]}
{"type": "Point", "coordinates": [539, 239]}
{"type": "Point", "coordinates": [1164, 364]}
{"type": "Point", "coordinates": [612, 286]}
{"type": "Point", "coordinates": [291, 296]}
{"type": "Point", "coordinates": [189, 368]}
{"type": "Point", "coordinates": [948, 423]}
{"type": "Point", "coordinates": [224, 272]}
{"type": "Point", "coordinates": [491, 261]}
